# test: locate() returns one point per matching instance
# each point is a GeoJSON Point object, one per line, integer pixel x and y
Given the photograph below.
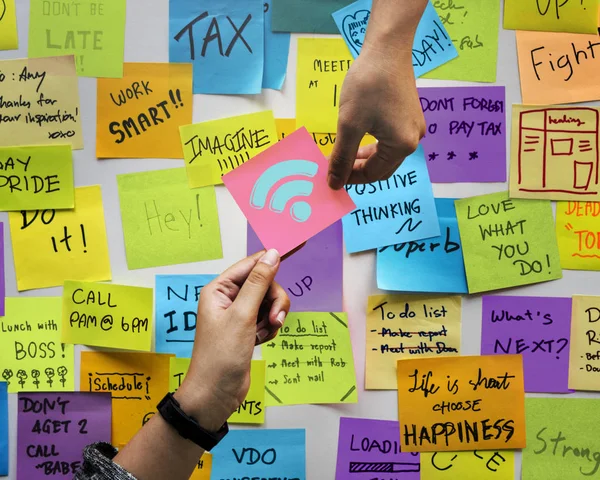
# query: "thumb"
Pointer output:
{"type": "Point", "coordinates": [343, 155]}
{"type": "Point", "coordinates": [256, 286]}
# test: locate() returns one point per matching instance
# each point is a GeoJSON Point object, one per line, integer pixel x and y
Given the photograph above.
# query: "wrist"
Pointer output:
{"type": "Point", "coordinates": [203, 406]}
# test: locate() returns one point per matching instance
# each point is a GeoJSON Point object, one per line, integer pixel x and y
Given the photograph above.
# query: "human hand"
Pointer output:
{"type": "Point", "coordinates": [380, 97]}
{"type": "Point", "coordinates": [241, 308]}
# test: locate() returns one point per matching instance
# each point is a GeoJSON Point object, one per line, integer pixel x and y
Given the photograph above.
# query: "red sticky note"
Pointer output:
{"type": "Point", "coordinates": [283, 192]}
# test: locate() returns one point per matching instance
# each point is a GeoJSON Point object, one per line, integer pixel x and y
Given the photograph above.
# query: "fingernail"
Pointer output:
{"type": "Point", "coordinates": [271, 257]}
{"type": "Point", "coordinates": [281, 318]}
{"type": "Point", "coordinates": [262, 334]}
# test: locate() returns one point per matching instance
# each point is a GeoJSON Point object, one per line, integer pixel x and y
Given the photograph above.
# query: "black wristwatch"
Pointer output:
{"type": "Point", "coordinates": [187, 426]}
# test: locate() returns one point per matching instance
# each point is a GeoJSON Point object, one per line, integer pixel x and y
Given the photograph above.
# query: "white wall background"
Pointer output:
{"type": "Point", "coordinates": [146, 40]}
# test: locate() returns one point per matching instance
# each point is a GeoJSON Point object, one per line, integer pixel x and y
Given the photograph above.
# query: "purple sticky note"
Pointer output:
{"type": "Point", "coordinates": [313, 276]}
{"type": "Point", "coordinates": [370, 449]}
{"type": "Point", "coordinates": [465, 139]}
{"type": "Point", "coordinates": [54, 428]}
{"type": "Point", "coordinates": [2, 279]}
{"type": "Point", "coordinates": [539, 328]}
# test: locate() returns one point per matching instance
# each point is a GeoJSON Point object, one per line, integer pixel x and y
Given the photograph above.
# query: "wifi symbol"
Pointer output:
{"type": "Point", "coordinates": [300, 210]}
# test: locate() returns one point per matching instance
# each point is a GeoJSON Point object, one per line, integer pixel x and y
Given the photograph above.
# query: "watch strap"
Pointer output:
{"type": "Point", "coordinates": [188, 427]}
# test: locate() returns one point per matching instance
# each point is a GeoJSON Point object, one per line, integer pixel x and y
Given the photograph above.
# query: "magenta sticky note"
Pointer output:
{"type": "Point", "coordinates": [313, 276]}
{"type": "Point", "coordinates": [54, 428]}
{"type": "Point", "coordinates": [370, 450]}
{"type": "Point", "coordinates": [283, 192]}
{"type": "Point", "coordinates": [539, 328]}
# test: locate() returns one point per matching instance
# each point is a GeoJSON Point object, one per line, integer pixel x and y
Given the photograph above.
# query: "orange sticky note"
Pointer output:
{"type": "Point", "coordinates": [461, 403]}
{"type": "Point", "coordinates": [137, 381]}
{"type": "Point", "coordinates": [558, 67]}
{"type": "Point", "coordinates": [139, 115]}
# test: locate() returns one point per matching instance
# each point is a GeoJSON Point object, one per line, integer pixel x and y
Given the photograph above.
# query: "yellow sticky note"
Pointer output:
{"type": "Point", "coordinates": [137, 382]}
{"type": "Point", "coordinates": [52, 246]}
{"type": "Point", "coordinates": [461, 403]}
{"type": "Point", "coordinates": [36, 177]}
{"type": "Point", "coordinates": [577, 233]}
{"type": "Point", "coordinates": [325, 141]}
{"type": "Point", "coordinates": [139, 115]}
{"type": "Point", "coordinates": [310, 361]}
{"type": "Point", "coordinates": [584, 363]}
{"type": "Point", "coordinates": [32, 357]}
{"type": "Point", "coordinates": [107, 315]}
{"type": "Point", "coordinates": [40, 102]}
{"type": "Point", "coordinates": [408, 326]}
{"type": "Point", "coordinates": [477, 465]}
{"type": "Point", "coordinates": [322, 67]}
{"type": "Point", "coordinates": [9, 39]}
{"type": "Point", "coordinates": [552, 15]}
{"type": "Point", "coordinates": [252, 409]}
{"type": "Point", "coordinates": [203, 469]}
{"type": "Point", "coordinates": [212, 149]}
{"type": "Point", "coordinates": [558, 67]}
{"type": "Point", "coordinates": [554, 153]}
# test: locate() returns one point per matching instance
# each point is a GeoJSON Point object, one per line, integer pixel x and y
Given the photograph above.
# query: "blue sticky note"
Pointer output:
{"type": "Point", "coordinates": [277, 49]}
{"type": "Point", "coordinates": [176, 299]}
{"type": "Point", "coordinates": [260, 454]}
{"type": "Point", "coordinates": [434, 265]}
{"type": "Point", "coordinates": [400, 209]}
{"type": "Point", "coordinates": [3, 428]}
{"type": "Point", "coordinates": [432, 46]}
{"type": "Point", "coordinates": [223, 39]}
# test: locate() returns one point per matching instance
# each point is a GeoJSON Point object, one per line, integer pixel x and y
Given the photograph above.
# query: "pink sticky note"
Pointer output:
{"type": "Point", "coordinates": [283, 193]}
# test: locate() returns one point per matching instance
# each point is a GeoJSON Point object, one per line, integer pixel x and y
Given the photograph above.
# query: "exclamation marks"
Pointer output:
{"type": "Point", "coordinates": [176, 98]}
{"type": "Point", "coordinates": [81, 69]}
{"type": "Point", "coordinates": [548, 262]}
{"type": "Point", "coordinates": [62, 346]}
{"type": "Point", "coordinates": [83, 238]}
{"type": "Point", "coordinates": [198, 208]}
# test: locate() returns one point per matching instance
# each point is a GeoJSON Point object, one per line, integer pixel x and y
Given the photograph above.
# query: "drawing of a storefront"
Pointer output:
{"type": "Point", "coordinates": [558, 151]}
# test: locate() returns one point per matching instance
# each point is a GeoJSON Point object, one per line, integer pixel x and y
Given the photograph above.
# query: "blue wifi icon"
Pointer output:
{"type": "Point", "coordinates": [300, 211]}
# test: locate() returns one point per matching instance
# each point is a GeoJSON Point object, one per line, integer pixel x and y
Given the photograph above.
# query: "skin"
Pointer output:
{"type": "Point", "coordinates": [240, 309]}
{"type": "Point", "coordinates": [379, 96]}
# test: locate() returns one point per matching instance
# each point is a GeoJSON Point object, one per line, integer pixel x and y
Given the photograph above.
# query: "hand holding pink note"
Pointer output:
{"type": "Point", "coordinates": [283, 192]}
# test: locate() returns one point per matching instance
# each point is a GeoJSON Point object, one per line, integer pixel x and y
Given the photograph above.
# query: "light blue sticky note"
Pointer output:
{"type": "Point", "coordinates": [432, 46]}
{"type": "Point", "coordinates": [400, 209]}
{"type": "Point", "coordinates": [260, 454]}
{"type": "Point", "coordinates": [434, 265]}
{"type": "Point", "coordinates": [3, 429]}
{"type": "Point", "coordinates": [223, 39]}
{"type": "Point", "coordinates": [277, 49]}
{"type": "Point", "coordinates": [176, 299]}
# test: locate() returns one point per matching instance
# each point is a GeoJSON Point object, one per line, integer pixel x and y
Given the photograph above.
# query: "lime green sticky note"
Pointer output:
{"type": "Point", "coordinates": [507, 242]}
{"type": "Point", "coordinates": [552, 16]}
{"type": "Point", "coordinates": [165, 222]}
{"type": "Point", "coordinates": [310, 361]}
{"type": "Point", "coordinates": [36, 178]}
{"type": "Point", "coordinates": [107, 315]}
{"type": "Point", "coordinates": [94, 32]}
{"type": "Point", "coordinates": [252, 409]}
{"type": "Point", "coordinates": [562, 439]}
{"type": "Point", "coordinates": [473, 27]}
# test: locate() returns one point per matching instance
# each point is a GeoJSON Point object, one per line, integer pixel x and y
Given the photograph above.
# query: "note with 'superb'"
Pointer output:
{"type": "Point", "coordinates": [107, 315]}
{"type": "Point", "coordinates": [51, 246]}
{"type": "Point", "coordinates": [165, 222]}
{"type": "Point", "coordinates": [9, 39]}
{"type": "Point", "coordinates": [558, 67]}
{"type": "Point", "coordinates": [475, 465]}
{"type": "Point", "coordinates": [40, 102]}
{"type": "Point", "coordinates": [552, 15]}
{"type": "Point", "coordinates": [408, 326]}
{"type": "Point", "coordinates": [461, 403]}
{"type": "Point", "coordinates": [213, 148]}
{"type": "Point", "coordinates": [310, 361]}
{"type": "Point", "coordinates": [139, 115]}
{"type": "Point", "coordinates": [584, 362]}
{"type": "Point", "coordinates": [137, 382]}
{"type": "Point", "coordinates": [32, 357]}
{"type": "Point", "coordinates": [578, 235]}
{"type": "Point", "coordinates": [511, 237]}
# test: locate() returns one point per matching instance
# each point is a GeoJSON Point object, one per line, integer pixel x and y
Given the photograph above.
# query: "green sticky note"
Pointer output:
{"type": "Point", "coordinates": [306, 16]}
{"type": "Point", "coordinates": [165, 222]}
{"type": "Point", "coordinates": [36, 178]}
{"type": "Point", "coordinates": [562, 439]}
{"type": "Point", "coordinates": [310, 361]}
{"type": "Point", "coordinates": [94, 32]}
{"type": "Point", "coordinates": [507, 242]}
{"type": "Point", "coordinates": [473, 27]}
